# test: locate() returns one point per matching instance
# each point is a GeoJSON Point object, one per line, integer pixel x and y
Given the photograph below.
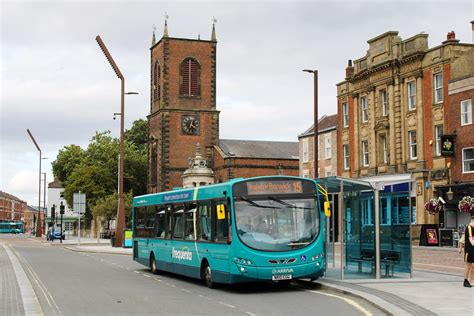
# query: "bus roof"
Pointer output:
{"type": "Point", "coordinates": [192, 194]}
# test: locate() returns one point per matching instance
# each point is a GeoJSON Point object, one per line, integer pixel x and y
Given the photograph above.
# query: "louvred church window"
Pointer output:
{"type": "Point", "coordinates": [190, 81]}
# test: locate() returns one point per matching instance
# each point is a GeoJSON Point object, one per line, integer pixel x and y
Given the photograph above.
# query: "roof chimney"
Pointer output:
{"type": "Point", "coordinates": [349, 69]}
{"type": "Point", "coordinates": [472, 26]}
{"type": "Point", "coordinates": [451, 38]}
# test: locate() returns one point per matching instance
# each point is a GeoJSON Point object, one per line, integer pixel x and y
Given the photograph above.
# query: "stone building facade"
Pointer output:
{"type": "Point", "coordinates": [392, 110]}
{"type": "Point", "coordinates": [327, 149]}
{"type": "Point", "coordinates": [183, 113]}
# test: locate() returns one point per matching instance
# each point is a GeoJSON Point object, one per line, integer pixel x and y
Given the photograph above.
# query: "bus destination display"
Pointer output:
{"type": "Point", "coordinates": [274, 187]}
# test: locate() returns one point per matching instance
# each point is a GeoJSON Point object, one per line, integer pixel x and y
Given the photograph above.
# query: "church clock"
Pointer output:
{"type": "Point", "coordinates": [190, 124]}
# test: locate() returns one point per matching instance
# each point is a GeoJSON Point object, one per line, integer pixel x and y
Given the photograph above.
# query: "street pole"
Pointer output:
{"type": "Point", "coordinates": [44, 199]}
{"type": "Point", "coordinates": [38, 232]}
{"type": "Point", "coordinates": [316, 129]}
{"type": "Point", "coordinates": [120, 225]}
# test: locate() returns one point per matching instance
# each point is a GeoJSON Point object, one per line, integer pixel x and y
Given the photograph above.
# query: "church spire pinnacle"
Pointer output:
{"type": "Point", "coordinates": [213, 35]}
{"type": "Point", "coordinates": [165, 30]}
{"type": "Point", "coordinates": [153, 39]}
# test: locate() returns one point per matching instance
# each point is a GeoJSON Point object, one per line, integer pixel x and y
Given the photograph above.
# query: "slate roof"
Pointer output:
{"type": "Point", "coordinates": [55, 184]}
{"type": "Point", "coordinates": [10, 197]}
{"type": "Point", "coordinates": [325, 123]}
{"type": "Point", "coordinates": [259, 149]}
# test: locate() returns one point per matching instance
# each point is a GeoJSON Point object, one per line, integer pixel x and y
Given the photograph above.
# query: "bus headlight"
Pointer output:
{"type": "Point", "coordinates": [243, 261]}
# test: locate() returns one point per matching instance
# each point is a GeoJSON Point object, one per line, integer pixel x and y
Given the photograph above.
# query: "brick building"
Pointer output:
{"type": "Point", "coordinates": [11, 207]}
{"type": "Point", "coordinates": [183, 113]}
{"type": "Point", "coordinates": [460, 124]}
{"type": "Point", "coordinates": [393, 109]}
{"type": "Point", "coordinates": [327, 145]}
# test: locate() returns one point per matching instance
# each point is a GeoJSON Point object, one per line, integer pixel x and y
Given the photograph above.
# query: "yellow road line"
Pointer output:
{"type": "Point", "coordinates": [345, 299]}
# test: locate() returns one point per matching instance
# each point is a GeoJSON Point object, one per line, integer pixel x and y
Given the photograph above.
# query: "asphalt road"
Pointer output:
{"type": "Point", "coordinates": [74, 283]}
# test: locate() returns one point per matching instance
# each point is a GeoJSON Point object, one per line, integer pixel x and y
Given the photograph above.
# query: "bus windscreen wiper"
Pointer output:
{"type": "Point", "coordinates": [288, 204]}
{"type": "Point", "coordinates": [255, 204]}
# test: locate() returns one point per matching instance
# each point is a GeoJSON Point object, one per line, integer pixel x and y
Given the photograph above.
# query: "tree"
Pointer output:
{"type": "Point", "coordinates": [66, 161]}
{"type": "Point", "coordinates": [94, 181]}
{"type": "Point", "coordinates": [106, 207]}
{"type": "Point", "coordinates": [138, 134]}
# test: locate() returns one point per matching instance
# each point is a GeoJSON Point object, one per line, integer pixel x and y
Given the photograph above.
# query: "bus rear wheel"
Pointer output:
{"type": "Point", "coordinates": [207, 275]}
{"type": "Point", "coordinates": [153, 267]}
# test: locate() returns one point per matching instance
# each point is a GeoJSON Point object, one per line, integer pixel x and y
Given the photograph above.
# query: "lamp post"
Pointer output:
{"type": "Point", "coordinates": [120, 226]}
{"type": "Point", "coordinates": [44, 198]}
{"type": "Point", "coordinates": [38, 232]}
{"type": "Point", "coordinates": [316, 141]}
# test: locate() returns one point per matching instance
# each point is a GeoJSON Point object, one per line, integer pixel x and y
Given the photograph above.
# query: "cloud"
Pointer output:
{"type": "Point", "coordinates": [56, 81]}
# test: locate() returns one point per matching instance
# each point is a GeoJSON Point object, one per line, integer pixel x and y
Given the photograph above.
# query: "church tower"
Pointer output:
{"type": "Point", "coordinates": [182, 107]}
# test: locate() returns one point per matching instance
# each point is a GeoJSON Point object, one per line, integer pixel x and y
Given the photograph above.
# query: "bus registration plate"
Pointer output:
{"type": "Point", "coordinates": [280, 277]}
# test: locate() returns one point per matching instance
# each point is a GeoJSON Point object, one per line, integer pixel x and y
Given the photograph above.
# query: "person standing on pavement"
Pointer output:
{"type": "Point", "coordinates": [468, 250]}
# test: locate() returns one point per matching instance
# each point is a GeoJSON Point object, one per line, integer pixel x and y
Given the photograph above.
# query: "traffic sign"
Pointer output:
{"type": "Point", "coordinates": [79, 203]}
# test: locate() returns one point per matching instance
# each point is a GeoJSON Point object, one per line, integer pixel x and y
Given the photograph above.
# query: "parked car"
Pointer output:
{"type": "Point", "coordinates": [55, 234]}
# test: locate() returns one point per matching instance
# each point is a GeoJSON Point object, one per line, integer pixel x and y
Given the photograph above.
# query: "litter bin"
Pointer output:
{"type": "Point", "coordinates": [127, 239]}
{"type": "Point", "coordinates": [112, 241]}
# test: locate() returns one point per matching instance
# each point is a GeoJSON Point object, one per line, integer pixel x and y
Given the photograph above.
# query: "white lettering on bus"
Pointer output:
{"type": "Point", "coordinates": [277, 271]}
{"type": "Point", "coordinates": [182, 254]}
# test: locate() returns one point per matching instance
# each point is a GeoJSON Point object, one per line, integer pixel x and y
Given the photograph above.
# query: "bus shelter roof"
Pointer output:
{"type": "Point", "coordinates": [334, 184]}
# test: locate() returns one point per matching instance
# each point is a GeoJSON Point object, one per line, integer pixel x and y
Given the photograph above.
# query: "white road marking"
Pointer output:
{"type": "Point", "coordinates": [228, 305]}
{"type": "Point", "coordinates": [251, 314]}
{"type": "Point", "coordinates": [345, 299]}
{"type": "Point", "coordinates": [146, 276]}
{"type": "Point", "coordinates": [128, 269]}
{"type": "Point", "coordinates": [187, 291]}
{"type": "Point", "coordinates": [28, 295]}
{"type": "Point", "coordinates": [138, 272]}
{"type": "Point", "coordinates": [200, 295]}
{"type": "Point", "coordinates": [48, 296]}
{"type": "Point", "coordinates": [156, 279]}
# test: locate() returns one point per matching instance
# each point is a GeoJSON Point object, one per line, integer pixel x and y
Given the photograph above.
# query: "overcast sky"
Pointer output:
{"type": "Point", "coordinates": [56, 81]}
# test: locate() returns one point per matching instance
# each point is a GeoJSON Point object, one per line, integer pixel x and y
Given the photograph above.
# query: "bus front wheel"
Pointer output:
{"type": "Point", "coordinates": [153, 267]}
{"type": "Point", "coordinates": [207, 275]}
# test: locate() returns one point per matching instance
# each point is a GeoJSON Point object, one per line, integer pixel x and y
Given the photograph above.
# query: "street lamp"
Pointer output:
{"type": "Point", "coordinates": [121, 206]}
{"type": "Point", "coordinates": [315, 75]}
{"type": "Point", "coordinates": [38, 232]}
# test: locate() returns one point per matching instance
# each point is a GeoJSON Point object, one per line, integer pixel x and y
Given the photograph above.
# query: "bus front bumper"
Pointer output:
{"type": "Point", "coordinates": [249, 273]}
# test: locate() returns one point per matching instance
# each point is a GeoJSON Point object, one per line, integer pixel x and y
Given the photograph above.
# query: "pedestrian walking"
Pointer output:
{"type": "Point", "coordinates": [468, 250]}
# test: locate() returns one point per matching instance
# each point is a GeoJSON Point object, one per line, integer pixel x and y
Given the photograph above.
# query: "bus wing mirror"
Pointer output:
{"type": "Point", "coordinates": [327, 209]}
{"type": "Point", "coordinates": [221, 211]}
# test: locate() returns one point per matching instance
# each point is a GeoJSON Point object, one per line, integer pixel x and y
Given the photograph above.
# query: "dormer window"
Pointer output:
{"type": "Point", "coordinates": [190, 78]}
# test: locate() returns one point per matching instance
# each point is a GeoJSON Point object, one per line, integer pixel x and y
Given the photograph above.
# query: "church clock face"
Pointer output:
{"type": "Point", "coordinates": [190, 124]}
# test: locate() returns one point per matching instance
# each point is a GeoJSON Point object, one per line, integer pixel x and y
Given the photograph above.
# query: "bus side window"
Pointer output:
{"type": "Point", "coordinates": [204, 221]}
{"type": "Point", "coordinates": [178, 222]}
{"type": "Point", "coordinates": [160, 227]}
{"type": "Point", "coordinates": [219, 212]}
{"type": "Point", "coordinates": [139, 221]}
{"type": "Point", "coordinates": [189, 223]}
{"type": "Point", "coordinates": [150, 221]}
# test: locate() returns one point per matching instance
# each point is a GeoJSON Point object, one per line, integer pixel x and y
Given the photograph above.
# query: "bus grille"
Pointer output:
{"type": "Point", "coordinates": [281, 261]}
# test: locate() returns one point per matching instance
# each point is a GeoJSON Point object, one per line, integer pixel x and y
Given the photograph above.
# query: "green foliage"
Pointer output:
{"type": "Point", "coordinates": [106, 207]}
{"type": "Point", "coordinates": [67, 160]}
{"type": "Point", "coordinates": [138, 134]}
{"type": "Point", "coordinates": [94, 171]}
{"type": "Point", "coordinates": [94, 181]}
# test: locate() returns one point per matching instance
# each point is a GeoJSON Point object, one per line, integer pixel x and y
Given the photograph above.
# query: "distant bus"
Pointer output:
{"type": "Point", "coordinates": [244, 230]}
{"type": "Point", "coordinates": [12, 227]}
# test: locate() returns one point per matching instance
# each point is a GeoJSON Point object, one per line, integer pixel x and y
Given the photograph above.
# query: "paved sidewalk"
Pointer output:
{"type": "Point", "coordinates": [93, 245]}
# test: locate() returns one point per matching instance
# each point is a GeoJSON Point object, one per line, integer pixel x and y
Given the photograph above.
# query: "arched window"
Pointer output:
{"type": "Point", "coordinates": [156, 80]}
{"type": "Point", "coordinates": [190, 81]}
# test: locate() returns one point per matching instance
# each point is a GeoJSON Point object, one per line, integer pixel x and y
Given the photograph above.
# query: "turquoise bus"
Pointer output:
{"type": "Point", "coordinates": [12, 227]}
{"type": "Point", "coordinates": [244, 230]}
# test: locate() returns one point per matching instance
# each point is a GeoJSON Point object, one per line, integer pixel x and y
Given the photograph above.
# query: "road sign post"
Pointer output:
{"type": "Point", "coordinates": [79, 206]}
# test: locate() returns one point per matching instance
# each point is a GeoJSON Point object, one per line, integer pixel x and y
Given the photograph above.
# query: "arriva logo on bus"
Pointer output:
{"type": "Point", "coordinates": [183, 254]}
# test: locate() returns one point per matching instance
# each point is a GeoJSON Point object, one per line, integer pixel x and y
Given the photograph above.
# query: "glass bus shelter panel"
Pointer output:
{"type": "Point", "coordinates": [395, 248]}
{"type": "Point", "coordinates": [359, 236]}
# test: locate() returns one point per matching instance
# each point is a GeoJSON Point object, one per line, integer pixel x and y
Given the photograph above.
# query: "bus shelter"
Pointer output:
{"type": "Point", "coordinates": [375, 216]}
